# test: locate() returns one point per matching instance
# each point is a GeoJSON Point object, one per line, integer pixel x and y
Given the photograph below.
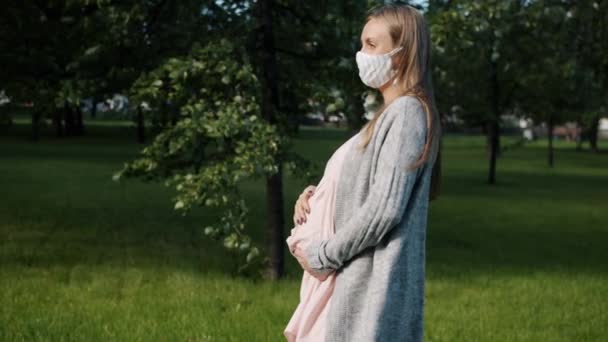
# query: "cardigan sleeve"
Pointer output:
{"type": "Point", "coordinates": [388, 196]}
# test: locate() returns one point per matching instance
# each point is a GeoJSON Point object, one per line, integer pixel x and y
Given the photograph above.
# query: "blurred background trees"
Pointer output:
{"type": "Point", "coordinates": [219, 87]}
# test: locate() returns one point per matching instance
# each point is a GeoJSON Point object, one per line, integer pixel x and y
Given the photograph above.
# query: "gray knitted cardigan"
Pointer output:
{"type": "Point", "coordinates": [378, 250]}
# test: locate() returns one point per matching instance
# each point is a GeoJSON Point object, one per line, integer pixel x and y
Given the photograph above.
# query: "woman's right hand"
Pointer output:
{"type": "Point", "coordinates": [301, 208]}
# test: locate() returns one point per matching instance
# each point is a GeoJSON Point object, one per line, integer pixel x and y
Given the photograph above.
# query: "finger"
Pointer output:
{"type": "Point", "coordinates": [308, 194]}
{"type": "Point", "coordinates": [303, 211]}
{"type": "Point", "coordinates": [302, 214]}
{"type": "Point", "coordinates": [299, 215]}
{"type": "Point", "coordinates": [297, 204]}
{"type": "Point", "coordinates": [306, 206]}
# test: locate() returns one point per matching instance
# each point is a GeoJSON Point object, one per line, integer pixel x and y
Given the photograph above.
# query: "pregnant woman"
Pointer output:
{"type": "Point", "coordinates": [308, 321]}
{"type": "Point", "coordinates": [365, 269]}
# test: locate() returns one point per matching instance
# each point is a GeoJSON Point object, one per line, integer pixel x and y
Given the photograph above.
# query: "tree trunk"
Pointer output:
{"type": "Point", "coordinates": [550, 125]}
{"type": "Point", "coordinates": [79, 121]}
{"type": "Point", "coordinates": [270, 102]}
{"type": "Point", "coordinates": [276, 245]}
{"type": "Point", "coordinates": [94, 108]}
{"type": "Point", "coordinates": [580, 133]}
{"type": "Point", "coordinates": [436, 185]}
{"type": "Point", "coordinates": [164, 106]}
{"type": "Point", "coordinates": [36, 114]}
{"type": "Point", "coordinates": [141, 131]}
{"type": "Point", "coordinates": [493, 141]}
{"type": "Point", "coordinates": [174, 115]}
{"type": "Point", "coordinates": [163, 114]}
{"type": "Point", "coordinates": [493, 129]}
{"type": "Point", "coordinates": [593, 133]}
{"type": "Point", "coordinates": [57, 122]}
{"type": "Point", "coordinates": [356, 120]}
{"type": "Point", "coordinates": [69, 119]}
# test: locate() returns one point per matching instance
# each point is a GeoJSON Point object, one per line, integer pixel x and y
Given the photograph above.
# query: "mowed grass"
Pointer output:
{"type": "Point", "coordinates": [83, 258]}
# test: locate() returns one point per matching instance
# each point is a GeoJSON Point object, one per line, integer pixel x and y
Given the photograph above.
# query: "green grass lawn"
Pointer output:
{"type": "Point", "coordinates": [83, 258]}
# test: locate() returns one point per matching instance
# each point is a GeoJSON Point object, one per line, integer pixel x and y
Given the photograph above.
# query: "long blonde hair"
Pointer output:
{"type": "Point", "coordinates": [408, 28]}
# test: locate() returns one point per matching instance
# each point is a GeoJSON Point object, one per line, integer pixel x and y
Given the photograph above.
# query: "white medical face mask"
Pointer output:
{"type": "Point", "coordinates": [376, 70]}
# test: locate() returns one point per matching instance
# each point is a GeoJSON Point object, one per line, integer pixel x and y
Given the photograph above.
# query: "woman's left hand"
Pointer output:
{"type": "Point", "coordinates": [300, 255]}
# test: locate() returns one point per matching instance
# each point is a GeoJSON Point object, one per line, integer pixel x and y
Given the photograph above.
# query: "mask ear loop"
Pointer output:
{"type": "Point", "coordinates": [391, 54]}
{"type": "Point", "coordinates": [397, 49]}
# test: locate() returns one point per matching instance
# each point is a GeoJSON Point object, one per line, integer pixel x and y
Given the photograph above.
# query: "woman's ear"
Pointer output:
{"type": "Point", "coordinates": [395, 65]}
{"type": "Point", "coordinates": [395, 60]}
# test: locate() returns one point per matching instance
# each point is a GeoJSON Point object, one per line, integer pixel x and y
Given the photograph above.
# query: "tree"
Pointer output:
{"type": "Point", "coordinates": [589, 31]}
{"type": "Point", "coordinates": [219, 140]}
{"type": "Point", "coordinates": [476, 47]}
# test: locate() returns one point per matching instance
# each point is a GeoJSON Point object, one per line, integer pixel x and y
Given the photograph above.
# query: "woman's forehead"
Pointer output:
{"type": "Point", "coordinates": [375, 30]}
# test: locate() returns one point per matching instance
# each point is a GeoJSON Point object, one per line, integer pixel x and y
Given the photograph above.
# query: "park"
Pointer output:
{"type": "Point", "coordinates": [151, 154]}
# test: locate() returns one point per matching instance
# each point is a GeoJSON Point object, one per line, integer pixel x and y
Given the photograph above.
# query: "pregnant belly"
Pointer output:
{"type": "Point", "coordinates": [320, 221]}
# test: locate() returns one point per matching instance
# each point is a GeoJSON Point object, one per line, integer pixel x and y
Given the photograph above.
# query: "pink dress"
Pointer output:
{"type": "Point", "coordinates": [307, 323]}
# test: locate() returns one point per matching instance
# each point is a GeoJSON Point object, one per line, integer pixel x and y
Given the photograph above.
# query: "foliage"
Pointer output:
{"type": "Point", "coordinates": [474, 50]}
{"type": "Point", "coordinates": [535, 58]}
{"type": "Point", "coordinates": [218, 141]}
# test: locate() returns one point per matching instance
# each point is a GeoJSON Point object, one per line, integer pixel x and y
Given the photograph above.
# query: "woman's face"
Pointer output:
{"type": "Point", "coordinates": [375, 38]}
